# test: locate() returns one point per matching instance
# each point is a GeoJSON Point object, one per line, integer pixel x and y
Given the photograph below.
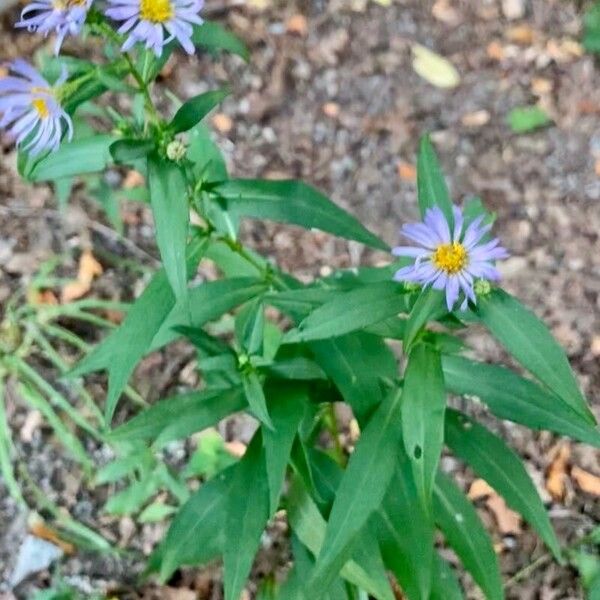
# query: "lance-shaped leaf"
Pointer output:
{"type": "Point", "coordinates": [464, 532]}
{"type": "Point", "coordinates": [530, 342]}
{"type": "Point", "coordinates": [493, 460]}
{"type": "Point", "coordinates": [365, 569]}
{"type": "Point", "coordinates": [287, 405]}
{"type": "Point", "coordinates": [352, 311]}
{"type": "Point", "coordinates": [247, 507]}
{"type": "Point", "coordinates": [423, 408]}
{"type": "Point", "coordinates": [445, 584]}
{"type": "Point", "coordinates": [129, 150]}
{"type": "Point", "coordinates": [180, 416]}
{"type": "Point", "coordinates": [295, 203]}
{"type": "Point", "coordinates": [169, 199]}
{"type": "Point", "coordinates": [357, 363]}
{"type": "Point", "coordinates": [431, 185]}
{"type": "Point", "coordinates": [510, 396]}
{"type": "Point", "coordinates": [361, 490]}
{"type": "Point", "coordinates": [253, 388]}
{"type": "Point", "coordinates": [196, 535]}
{"type": "Point", "coordinates": [214, 37]}
{"type": "Point", "coordinates": [195, 109]}
{"type": "Point", "coordinates": [406, 534]}
{"type": "Point", "coordinates": [88, 155]}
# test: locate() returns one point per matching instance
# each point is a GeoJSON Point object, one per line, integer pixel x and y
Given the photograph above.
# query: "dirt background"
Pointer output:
{"type": "Point", "coordinates": [330, 96]}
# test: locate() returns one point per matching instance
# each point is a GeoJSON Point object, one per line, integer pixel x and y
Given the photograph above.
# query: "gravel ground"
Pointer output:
{"type": "Point", "coordinates": [341, 107]}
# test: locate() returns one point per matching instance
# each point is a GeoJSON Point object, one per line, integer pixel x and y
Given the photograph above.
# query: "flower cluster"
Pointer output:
{"type": "Point", "coordinates": [30, 109]}
{"type": "Point", "coordinates": [450, 258]}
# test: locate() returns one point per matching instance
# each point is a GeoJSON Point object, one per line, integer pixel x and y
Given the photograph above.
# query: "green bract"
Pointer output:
{"type": "Point", "coordinates": [287, 353]}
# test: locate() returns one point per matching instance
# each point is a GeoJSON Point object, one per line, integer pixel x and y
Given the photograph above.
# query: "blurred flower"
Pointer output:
{"type": "Point", "coordinates": [147, 20]}
{"type": "Point", "coordinates": [448, 259]}
{"type": "Point", "coordinates": [30, 111]}
{"type": "Point", "coordinates": [62, 17]}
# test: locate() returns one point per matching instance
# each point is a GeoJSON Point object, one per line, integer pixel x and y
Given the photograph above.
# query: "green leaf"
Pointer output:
{"type": "Point", "coordinates": [256, 397]}
{"type": "Point", "coordinates": [591, 31]}
{"type": "Point", "coordinates": [509, 396]}
{"type": "Point", "coordinates": [156, 512]}
{"type": "Point", "coordinates": [212, 36]}
{"type": "Point", "coordinates": [357, 363]}
{"type": "Point", "coordinates": [493, 460]}
{"type": "Point", "coordinates": [131, 499]}
{"type": "Point", "coordinates": [287, 406]}
{"type": "Point", "coordinates": [431, 185]}
{"type": "Point", "coordinates": [445, 584]}
{"type": "Point", "coordinates": [364, 570]}
{"type": "Point", "coordinates": [121, 467]}
{"type": "Point", "coordinates": [180, 416]}
{"type": "Point", "coordinates": [211, 457]}
{"type": "Point", "coordinates": [361, 490]}
{"type": "Point", "coordinates": [6, 447]}
{"type": "Point", "coordinates": [196, 535]}
{"type": "Point", "coordinates": [429, 306]}
{"type": "Point", "coordinates": [524, 119]}
{"type": "Point", "coordinates": [296, 203]}
{"type": "Point", "coordinates": [299, 368]}
{"type": "Point", "coordinates": [462, 528]}
{"type": "Point", "coordinates": [169, 199]}
{"type": "Point", "coordinates": [352, 311]}
{"type": "Point", "coordinates": [129, 150]}
{"type": "Point", "coordinates": [247, 506]}
{"type": "Point", "coordinates": [207, 302]}
{"type": "Point", "coordinates": [195, 109]}
{"type": "Point", "coordinates": [206, 156]}
{"type": "Point", "coordinates": [423, 408]}
{"type": "Point", "coordinates": [406, 534]}
{"type": "Point", "coordinates": [88, 155]}
{"type": "Point", "coordinates": [530, 342]}
{"type": "Point", "coordinates": [250, 326]}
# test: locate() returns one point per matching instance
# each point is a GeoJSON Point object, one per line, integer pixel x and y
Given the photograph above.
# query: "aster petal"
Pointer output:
{"type": "Point", "coordinates": [421, 234]}
{"type": "Point", "coordinates": [452, 291]}
{"type": "Point", "coordinates": [458, 223]}
{"type": "Point", "coordinates": [436, 221]}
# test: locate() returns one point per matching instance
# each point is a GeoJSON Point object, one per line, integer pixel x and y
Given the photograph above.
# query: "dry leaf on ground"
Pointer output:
{"type": "Point", "coordinates": [509, 522]}
{"type": "Point", "coordinates": [435, 69]}
{"type": "Point", "coordinates": [557, 472]}
{"type": "Point", "coordinates": [407, 172]}
{"type": "Point", "coordinates": [587, 482]}
{"type": "Point", "coordinates": [89, 269]}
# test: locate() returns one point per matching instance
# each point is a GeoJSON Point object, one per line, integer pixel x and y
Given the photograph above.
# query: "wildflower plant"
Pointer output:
{"type": "Point", "coordinates": [290, 351]}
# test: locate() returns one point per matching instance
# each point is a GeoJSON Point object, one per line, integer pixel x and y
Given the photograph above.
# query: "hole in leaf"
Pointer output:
{"type": "Point", "coordinates": [417, 452]}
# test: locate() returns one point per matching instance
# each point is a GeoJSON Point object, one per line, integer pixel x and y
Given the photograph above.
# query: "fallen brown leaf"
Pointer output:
{"type": "Point", "coordinates": [443, 11]}
{"type": "Point", "coordinates": [541, 86]}
{"type": "Point", "coordinates": [509, 522]}
{"type": "Point", "coordinates": [480, 489]}
{"type": "Point", "coordinates": [89, 269]}
{"type": "Point", "coordinates": [557, 472]}
{"type": "Point", "coordinates": [236, 449]}
{"type": "Point", "coordinates": [39, 528]}
{"type": "Point", "coordinates": [477, 118]}
{"type": "Point", "coordinates": [587, 482]}
{"type": "Point", "coordinates": [331, 110]}
{"type": "Point", "coordinates": [133, 179]}
{"type": "Point", "coordinates": [223, 123]}
{"type": "Point", "coordinates": [407, 172]}
{"type": "Point", "coordinates": [523, 35]}
{"type": "Point", "coordinates": [297, 25]}
{"type": "Point", "coordinates": [495, 50]}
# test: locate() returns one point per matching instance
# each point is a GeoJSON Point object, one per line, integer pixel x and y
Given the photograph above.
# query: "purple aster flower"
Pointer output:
{"type": "Point", "coordinates": [30, 111]}
{"type": "Point", "coordinates": [450, 259]}
{"type": "Point", "coordinates": [62, 17]}
{"type": "Point", "coordinates": [147, 20]}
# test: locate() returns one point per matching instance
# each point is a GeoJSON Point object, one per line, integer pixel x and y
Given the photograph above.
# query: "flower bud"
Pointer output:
{"type": "Point", "coordinates": [176, 150]}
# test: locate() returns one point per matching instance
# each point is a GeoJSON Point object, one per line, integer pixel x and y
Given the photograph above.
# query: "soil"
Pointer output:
{"type": "Point", "coordinates": [340, 106]}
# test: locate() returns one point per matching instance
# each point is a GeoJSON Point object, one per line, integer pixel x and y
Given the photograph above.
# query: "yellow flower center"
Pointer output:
{"type": "Point", "coordinates": [42, 107]}
{"type": "Point", "coordinates": [156, 11]}
{"type": "Point", "coordinates": [450, 258]}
